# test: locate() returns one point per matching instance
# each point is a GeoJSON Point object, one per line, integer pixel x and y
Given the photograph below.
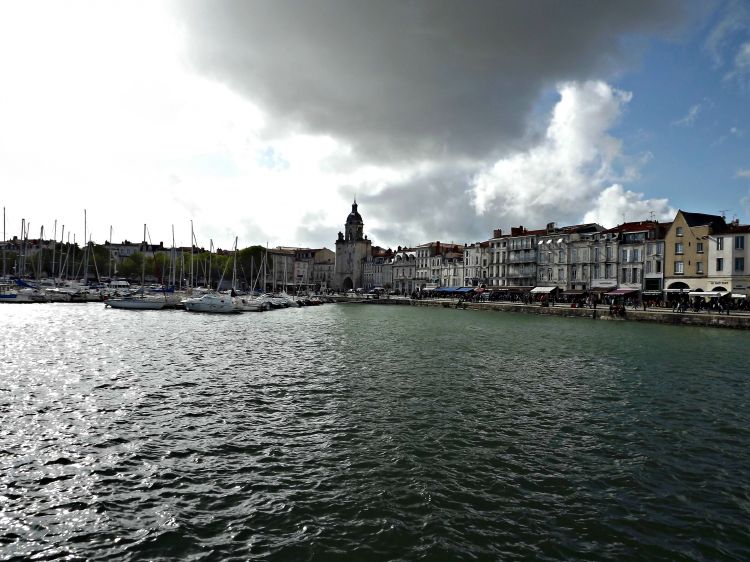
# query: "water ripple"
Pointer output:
{"type": "Point", "coordinates": [369, 433]}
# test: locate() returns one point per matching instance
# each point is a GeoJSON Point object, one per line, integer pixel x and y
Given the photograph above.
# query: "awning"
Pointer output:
{"type": "Point", "coordinates": [600, 289]}
{"type": "Point", "coordinates": [621, 292]}
{"type": "Point", "coordinates": [738, 296]}
{"type": "Point", "coordinates": [540, 243]}
{"type": "Point", "coordinates": [543, 289]}
{"type": "Point", "coordinates": [706, 294]}
{"type": "Point", "coordinates": [446, 289]}
{"type": "Point", "coordinates": [559, 240]}
{"type": "Point", "coordinates": [651, 293]}
{"type": "Point", "coordinates": [464, 290]}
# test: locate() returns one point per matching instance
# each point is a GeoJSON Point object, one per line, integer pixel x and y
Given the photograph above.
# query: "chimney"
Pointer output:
{"type": "Point", "coordinates": [497, 233]}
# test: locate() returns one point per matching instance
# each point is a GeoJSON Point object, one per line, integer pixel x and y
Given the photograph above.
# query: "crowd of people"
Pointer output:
{"type": "Point", "coordinates": [677, 302]}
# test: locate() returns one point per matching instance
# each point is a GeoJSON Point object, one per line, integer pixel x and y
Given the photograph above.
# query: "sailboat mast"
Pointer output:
{"type": "Point", "coordinates": [54, 248]}
{"type": "Point", "coordinates": [4, 242]}
{"type": "Point", "coordinates": [210, 251]}
{"type": "Point", "coordinates": [86, 250]}
{"type": "Point", "coordinates": [59, 263]}
{"type": "Point", "coordinates": [173, 264]}
{"type": "Point", "coordinates": [143, 261]}
{"type": "Point", "coordinates": [39, 261]}
{"type": "Point", "coordinates": [234, 268]}
{"type": "Point", "coordinates": [192, 245]}
{"type": "Point", "coordinates": [24, 236]}
{"type": "Point", "coordinates": [109, 261]}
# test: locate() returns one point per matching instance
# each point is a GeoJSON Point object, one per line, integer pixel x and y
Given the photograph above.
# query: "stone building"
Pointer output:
{"type": "Point", "coordinates": [404, 271]}
{"type": "Point", "coordinates": [686, 247]}
{"type": "Point", "coordinates": [353, 249]}
{"type": "Point", "coordinates": [476, 257]}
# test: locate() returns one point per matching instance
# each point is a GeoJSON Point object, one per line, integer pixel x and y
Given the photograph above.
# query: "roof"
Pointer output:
{"type": "Point", "coordinates": [639, 226]}
{"type": "Point", "coordinates": [735, 229]}
{"type": "Point", "coordinates": [701, 219]}
{"type": "Point", "coordinates": [354, 217]}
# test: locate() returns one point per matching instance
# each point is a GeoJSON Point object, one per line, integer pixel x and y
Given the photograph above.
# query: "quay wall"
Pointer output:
{"type": "Point", "coordinates": [659, 316]}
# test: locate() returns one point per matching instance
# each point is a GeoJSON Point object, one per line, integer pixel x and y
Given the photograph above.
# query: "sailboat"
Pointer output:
{"type": "Point", "coordinates": [215, 302]}
{"type": "Point", "coordinates": [139, 301]}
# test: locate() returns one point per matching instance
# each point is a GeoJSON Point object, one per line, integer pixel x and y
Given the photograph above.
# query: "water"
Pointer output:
{"type": "Point", "coordinates": [347, 432]}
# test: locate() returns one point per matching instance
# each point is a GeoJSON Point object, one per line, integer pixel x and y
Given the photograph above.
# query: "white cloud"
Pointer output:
{"type": "Point", "coordinates": [571, 168]}
{"type": "Point", "coordinates": [689, 119]}
{"type": "Point", "coordinates": [742, 173]}
{"type": "Point", "coordinates": [616, 205]}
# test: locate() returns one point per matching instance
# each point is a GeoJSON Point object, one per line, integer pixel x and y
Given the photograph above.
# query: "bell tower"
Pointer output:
{"type": "Point", "coordinates": [354, 229]}
{"type": "Point", "coordinates": [353, 249]}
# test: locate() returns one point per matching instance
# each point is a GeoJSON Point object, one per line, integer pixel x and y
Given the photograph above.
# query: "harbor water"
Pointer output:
{"type": "Point", "coordinates": [363, 432]}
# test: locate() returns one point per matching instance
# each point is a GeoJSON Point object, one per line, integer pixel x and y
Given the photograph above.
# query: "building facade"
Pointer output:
{"type": "Point", "coordinates": [352, 251]}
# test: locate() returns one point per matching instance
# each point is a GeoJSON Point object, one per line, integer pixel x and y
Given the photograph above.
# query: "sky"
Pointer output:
{"type": "Point", "coordinates": [264, 120]}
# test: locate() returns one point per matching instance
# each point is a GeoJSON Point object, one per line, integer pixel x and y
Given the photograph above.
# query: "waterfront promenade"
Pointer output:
{"type": "Point", "coordinates": [739, 320]}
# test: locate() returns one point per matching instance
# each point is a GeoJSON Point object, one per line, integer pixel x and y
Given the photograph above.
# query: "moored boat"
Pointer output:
{"type": "Point", "coordinates": [211, 302]}
{"type": "Point", "coordinates": [135, 303]}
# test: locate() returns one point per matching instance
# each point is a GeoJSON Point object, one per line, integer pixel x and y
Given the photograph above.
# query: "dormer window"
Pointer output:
{"type": "Point", "coordinates": [679, 231]}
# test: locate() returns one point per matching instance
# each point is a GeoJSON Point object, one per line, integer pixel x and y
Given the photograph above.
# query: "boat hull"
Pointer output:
{"type": "Point", "coordinates": [134, 304]}
{"type": "Point", "coordinates": [217, 304]}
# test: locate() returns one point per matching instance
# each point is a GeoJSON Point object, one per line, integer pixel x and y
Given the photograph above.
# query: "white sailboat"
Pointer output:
{"type": "Point", "coordinates": [214, 302]}
{"type": "Point", "coordinates": [140, 301]}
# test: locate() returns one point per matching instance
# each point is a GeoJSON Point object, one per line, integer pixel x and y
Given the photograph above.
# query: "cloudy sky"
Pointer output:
{"type": "Point", "coordinates": [264, 119]}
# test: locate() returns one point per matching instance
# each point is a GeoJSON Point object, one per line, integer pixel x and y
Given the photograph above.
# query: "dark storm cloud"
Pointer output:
{"type": "Point", "coordinates": [412, 80]}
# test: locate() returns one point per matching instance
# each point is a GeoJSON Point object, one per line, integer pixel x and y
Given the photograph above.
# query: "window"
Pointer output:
{"type": "Point", "coordinates": [560, 274]}
{"type": "Point", "coordinates": [574, 273]}
{"type": "Point", "coordinates": [719, 264]}
{"type": "Point", "coordinates": [699, 247]}
{"type": "Point", "coordinates": [699, 267]}
{"type": "Point", "coordinates": [608, 271]}
{"type": "Point", "coordinates": [739, 264]}
{"type": "Point", "coordinates": [658, 267]}
{"type": "Point", "coordinates": [739, 242]}
{"type": "Point", "coordinates": [720, 243]}
{"type": "Point", "coordinates": [679, 248]}
{"type": "Point", "coordinates": [596, 271]}
{"type": "Point", "coordinates": [679, 268]}
{"type": "Point", "coordinates": [648, 267]}
{"type": "Point", "coordinates": [624, 255]}
{"type": "Point", "coordinates": [678, 231]}
{"type": "Point", "coordinates": [596, 254]}
{"type": "Point", "coordinates": [624, 278]}
{"type": "Point", "coordinates": [608, 254]}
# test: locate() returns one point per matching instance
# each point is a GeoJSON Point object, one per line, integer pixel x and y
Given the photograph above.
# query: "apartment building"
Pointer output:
{"type": "Point", "coordinates": [686, 245]}
{"type": "Point", "coordinates": [476, 262]}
